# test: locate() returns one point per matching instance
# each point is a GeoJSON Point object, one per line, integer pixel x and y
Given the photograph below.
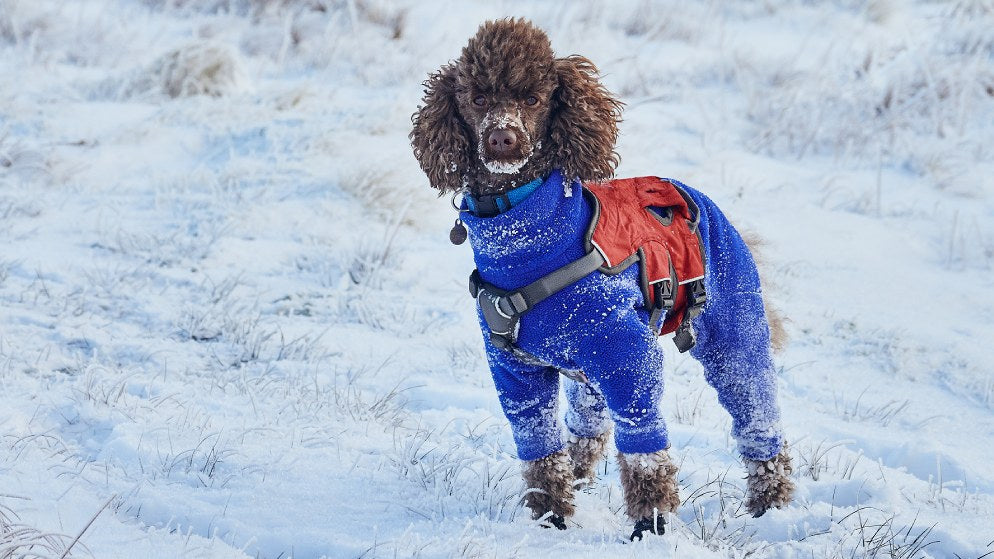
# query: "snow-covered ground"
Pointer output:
{"type": "Point", "coordinates": [231, 323]}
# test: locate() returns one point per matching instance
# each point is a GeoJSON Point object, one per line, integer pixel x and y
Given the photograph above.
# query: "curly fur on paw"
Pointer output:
{"type": "Point", "coordinates": [768, 483]}
{"type": "Point", "coordinates": [649, 482]}
{"type": "Point", "coordinates": [586, 453]}
{"type": "Point", "coordinates": [549, 483]}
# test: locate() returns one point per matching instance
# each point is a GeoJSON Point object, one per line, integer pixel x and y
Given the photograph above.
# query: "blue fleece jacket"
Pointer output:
{"type": "Point", "coordinates": [599, 325]}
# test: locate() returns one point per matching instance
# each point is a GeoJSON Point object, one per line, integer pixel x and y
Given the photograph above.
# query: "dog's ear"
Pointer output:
{"type": "Point", "coordinates": [584, 121]}
{"type": "Point", "coordinates": [440, 139]}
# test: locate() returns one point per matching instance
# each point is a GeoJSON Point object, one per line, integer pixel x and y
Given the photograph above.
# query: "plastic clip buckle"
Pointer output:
{"type": "Point", "coordinates": [665, 295]}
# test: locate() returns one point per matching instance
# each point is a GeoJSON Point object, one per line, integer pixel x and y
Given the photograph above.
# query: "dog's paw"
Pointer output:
{"type": "Point", "coordinates": [768, 484]}
{"type": "Point", "coordinates": [653, 525]}
{"type": "Point", "coordinates": [553, 521]}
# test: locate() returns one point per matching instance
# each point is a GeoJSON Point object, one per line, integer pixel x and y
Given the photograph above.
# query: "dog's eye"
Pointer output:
{"type": "Point", "coordinates": [480, 100]}
{"type": "Point", "coordinates": [531, 101]}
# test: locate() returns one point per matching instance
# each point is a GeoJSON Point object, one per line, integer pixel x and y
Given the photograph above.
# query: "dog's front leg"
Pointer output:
{"type": "Point", "coordinates": [549, 482]}
{"type": "Point", "coordinates": [626, 367]}
{"type": "Point", "coordinates": [651, 490]}
{"type": "Point", "coordinates": [529, 395]}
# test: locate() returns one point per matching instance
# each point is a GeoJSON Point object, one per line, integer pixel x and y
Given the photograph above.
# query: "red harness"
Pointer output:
{"type": "Point", "coordinates": [652, 221]}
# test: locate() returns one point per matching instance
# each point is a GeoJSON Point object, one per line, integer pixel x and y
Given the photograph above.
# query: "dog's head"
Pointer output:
{"type": "Point", "coordinates": [508, 111]}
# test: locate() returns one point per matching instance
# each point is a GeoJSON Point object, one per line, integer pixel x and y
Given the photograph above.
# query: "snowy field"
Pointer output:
{"type": "Point", "coordinates": [232, 325]}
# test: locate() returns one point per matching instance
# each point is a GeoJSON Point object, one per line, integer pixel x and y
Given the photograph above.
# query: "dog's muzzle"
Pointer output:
{"type": "Point", "coordinates": [504, 146]}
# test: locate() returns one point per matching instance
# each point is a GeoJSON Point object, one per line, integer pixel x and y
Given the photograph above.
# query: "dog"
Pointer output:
{"type": "Point", "coordinates": [523, 136]}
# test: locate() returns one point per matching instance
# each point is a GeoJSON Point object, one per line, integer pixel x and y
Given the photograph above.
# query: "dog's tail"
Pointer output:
{"type": "Point", "coordinates": [775, 318]}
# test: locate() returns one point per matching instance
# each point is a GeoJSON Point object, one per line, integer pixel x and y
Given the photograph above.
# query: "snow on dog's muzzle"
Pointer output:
{"type": "Point", "coordinates": [504, 146]}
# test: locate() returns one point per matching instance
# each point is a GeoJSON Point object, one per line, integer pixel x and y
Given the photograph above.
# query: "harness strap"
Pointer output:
{"type": "Point", "coordinates": [664, 292]}
{"type": "Point", "coordinates": [502, 309]}
{"type": "Point", "coordinates": [569, 274]}
{"type": "Point", "coordinates": [685, 337]}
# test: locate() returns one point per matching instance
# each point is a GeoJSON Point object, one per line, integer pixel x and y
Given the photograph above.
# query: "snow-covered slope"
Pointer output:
{"type": "Point", "coordinates": [231, 323]}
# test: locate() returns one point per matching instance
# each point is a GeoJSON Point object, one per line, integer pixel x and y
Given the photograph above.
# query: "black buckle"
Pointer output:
{"type": "Point", "coordinates": [697, 296]}
{"type": "Point", "coordinates": [501, 310]}
{"type": "Point", "coordinates": [665, 294]}
{"type": "Point", "coordinates": [475, 284]}
{"type": "Point", "coordinates": [665, 299]}
{"type": "Point", "coordinates": [498, 312]}
{"type": "Point", "coordinates": [685, 336]}
{"type": "Point", "coordinates": [500, 341]}
{"type": "Point", "coordinates": [488, 206]}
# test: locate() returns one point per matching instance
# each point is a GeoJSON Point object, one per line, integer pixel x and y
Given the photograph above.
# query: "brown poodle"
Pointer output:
{"type": "Point", "coordinates": [509, 113]}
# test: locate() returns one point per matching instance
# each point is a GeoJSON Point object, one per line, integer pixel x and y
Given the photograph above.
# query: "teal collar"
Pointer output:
{"type": "Point", "coordinates": [490, 205]}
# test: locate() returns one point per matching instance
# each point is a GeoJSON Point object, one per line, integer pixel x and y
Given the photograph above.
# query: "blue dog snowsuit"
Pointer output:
{"type": "Point", "coordinates": [600, 325]}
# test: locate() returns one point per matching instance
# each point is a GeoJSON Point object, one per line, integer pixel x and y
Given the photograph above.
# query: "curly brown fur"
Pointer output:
{"type": "Point", "coordinates": [649, 483]}
{"type": "Point", "coordinates": [549, 485]}
{"type": "Point", "coordinates": [585, 122]}
{"type": "Point", "coordinates": [775, 318]}
{"type": "Point", "coordinates": [586, 453]}
{"type": "Point", "coordinates": [441, 140]}
{"type": "Point", "coordinates": [768, 483]}
{"type": "Point", "coordinates": [508, 78]}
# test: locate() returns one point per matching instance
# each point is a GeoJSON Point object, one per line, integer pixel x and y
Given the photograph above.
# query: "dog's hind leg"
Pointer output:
{"type": "Point", "coordinates": [549, 488]}
{"type": "Point", "coordinates": [768, 483]}
{"type": "Point", "coordinates": [589, 424]}
{"type": "Point", "coordinates": [651, 489]}
{"type": "Point", "coordinates": [734, 346]}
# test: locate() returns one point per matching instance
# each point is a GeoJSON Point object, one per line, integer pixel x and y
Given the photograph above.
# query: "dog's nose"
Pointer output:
{"type": "Point", "coordinates": [502, 140]}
